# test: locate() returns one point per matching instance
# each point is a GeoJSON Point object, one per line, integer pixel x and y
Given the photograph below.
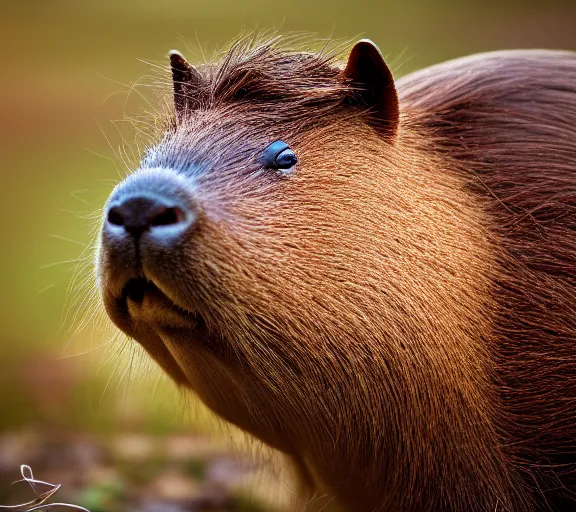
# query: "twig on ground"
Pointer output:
{"type": "Point", "coordinates": [38, 503]}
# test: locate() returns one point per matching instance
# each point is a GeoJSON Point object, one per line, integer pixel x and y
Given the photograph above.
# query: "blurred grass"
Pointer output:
{"type": "Point", "coordinates": [64, 64]}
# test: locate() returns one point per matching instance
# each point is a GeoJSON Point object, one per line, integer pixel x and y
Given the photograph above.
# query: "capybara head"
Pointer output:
{"type": "Point", "coordinates": [288, 252]}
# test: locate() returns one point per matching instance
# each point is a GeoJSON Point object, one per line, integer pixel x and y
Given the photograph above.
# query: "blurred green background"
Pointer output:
{"type": "Point", "coordinates": [68, 75]}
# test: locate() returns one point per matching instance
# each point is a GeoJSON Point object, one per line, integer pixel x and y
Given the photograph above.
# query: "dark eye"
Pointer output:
{"type": "Point", "coordinates": [279, 156]}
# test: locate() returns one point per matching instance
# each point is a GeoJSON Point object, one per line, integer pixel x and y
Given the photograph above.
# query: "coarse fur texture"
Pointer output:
{"type": "Point", "coordinates": [399, 315]}
{"type": "Point", "coordinates": [511, 117]}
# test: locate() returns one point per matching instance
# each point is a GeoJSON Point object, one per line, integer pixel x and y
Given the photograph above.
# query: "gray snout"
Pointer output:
{"type": "Point", "coordinates": [153, 209]}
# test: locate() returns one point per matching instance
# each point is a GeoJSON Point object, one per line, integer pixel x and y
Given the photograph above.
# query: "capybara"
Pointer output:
{"type": "Point", "coordinates": [375, 277]}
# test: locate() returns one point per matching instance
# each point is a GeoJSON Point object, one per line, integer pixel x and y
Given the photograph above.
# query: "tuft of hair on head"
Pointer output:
{"type": "Point", "coordinates": [297, 83]}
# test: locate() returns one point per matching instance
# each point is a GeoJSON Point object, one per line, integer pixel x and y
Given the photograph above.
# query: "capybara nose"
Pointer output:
{"type": "Point", "coordinates": [165, 218]}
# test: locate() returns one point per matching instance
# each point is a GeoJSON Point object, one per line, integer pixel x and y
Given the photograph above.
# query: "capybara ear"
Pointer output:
{"type": "Point", "coordinates": [186, 81]}
{"type": "Point", "coordinates": [373, 85]}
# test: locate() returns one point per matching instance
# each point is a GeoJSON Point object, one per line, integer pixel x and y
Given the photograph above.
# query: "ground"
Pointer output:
{"type": "Point", "coordinates": [137, 473]}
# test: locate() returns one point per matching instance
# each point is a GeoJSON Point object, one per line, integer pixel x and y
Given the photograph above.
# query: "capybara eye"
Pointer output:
{"type": "Point", "coordinates": [286, 160]}
{"type": "Point", "coordinates": [279, 156]}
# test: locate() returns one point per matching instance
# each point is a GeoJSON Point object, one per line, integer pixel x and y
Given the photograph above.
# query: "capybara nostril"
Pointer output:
{"type": "Point", "coordinates": [139, 213]}
{"type": "Point", "coordinates": [115, 217]}
{"type": "Point", "coordinates": [168, 216]}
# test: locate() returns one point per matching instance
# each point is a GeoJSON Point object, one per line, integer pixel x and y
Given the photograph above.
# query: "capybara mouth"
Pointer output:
{"type": "Point", "coordinates": [136, 288]}
{"type": "Point", "coordinates": [142, 294]}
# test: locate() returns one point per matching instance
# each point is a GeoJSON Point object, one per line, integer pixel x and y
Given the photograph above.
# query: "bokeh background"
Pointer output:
{"type": "Point", "coordinates": [82, 408]}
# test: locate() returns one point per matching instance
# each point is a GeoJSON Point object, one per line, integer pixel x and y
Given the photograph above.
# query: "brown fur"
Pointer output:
{"type": "Point", "coordinates": [511, 117]}
{"type": "Point", "coordinates": [398, 317]}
